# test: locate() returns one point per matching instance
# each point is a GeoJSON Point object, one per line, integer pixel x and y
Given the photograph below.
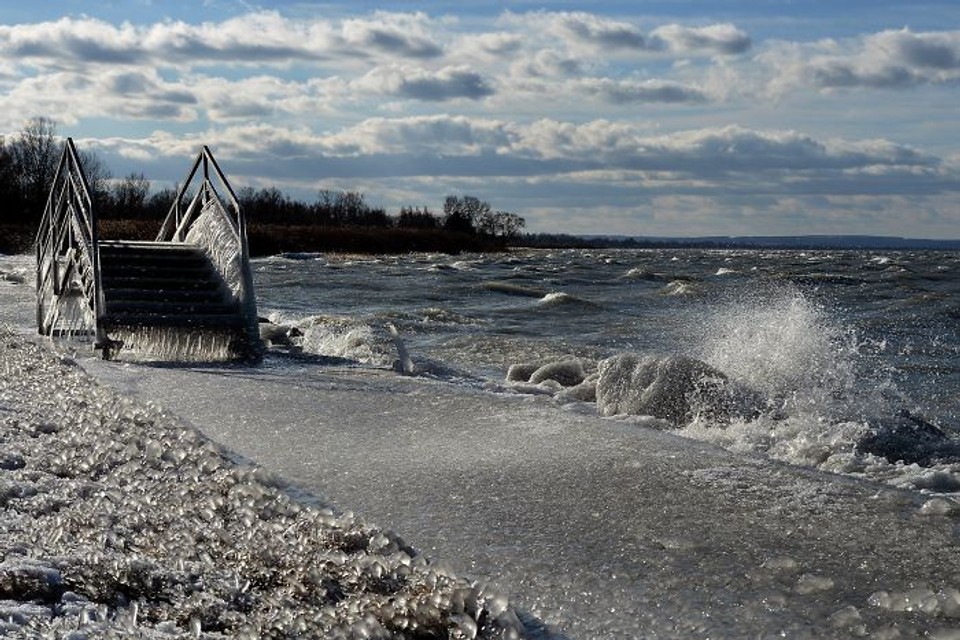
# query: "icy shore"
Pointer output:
{"type": "Point", "coordinates": [120, 519]}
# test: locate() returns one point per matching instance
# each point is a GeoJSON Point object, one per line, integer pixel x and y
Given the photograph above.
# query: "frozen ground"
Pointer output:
{"type": "Point", "coordinates": [120, 520]}
{"type": "Point", "coordinates": [598, 528]}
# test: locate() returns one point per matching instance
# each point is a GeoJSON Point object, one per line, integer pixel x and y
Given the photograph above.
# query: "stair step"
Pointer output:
{"type": "Point", "coordinates": [146, 245]}
{"type": "Point", "coordinates": [165, 307]}
{"type": "Point", "coordinates": [156, 284]}
{"type": "Point", "coordinates": [212, 320]}
{"type": "Point", "coordinates": [163, 284]}
{"type": "Point", "coordinates": [135, 294]}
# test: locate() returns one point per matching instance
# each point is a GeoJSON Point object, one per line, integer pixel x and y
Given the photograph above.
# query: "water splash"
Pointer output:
{"type": "Point", "coordinates": [819, 390]}
{"type": "Point", "coordinates": [787, 347]}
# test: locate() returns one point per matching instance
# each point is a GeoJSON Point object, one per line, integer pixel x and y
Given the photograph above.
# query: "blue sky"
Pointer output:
{"type": "Point", "coordinates": [677, 118]}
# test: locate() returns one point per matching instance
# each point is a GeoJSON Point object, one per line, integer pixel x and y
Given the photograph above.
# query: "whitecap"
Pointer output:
{"type": "Point", "coordinates": [561, 298]}
{"type": "Point", "coordinates": [678, 288]}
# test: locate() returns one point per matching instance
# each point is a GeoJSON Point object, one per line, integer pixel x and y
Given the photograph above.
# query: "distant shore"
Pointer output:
{"type": "Point", "coordinates": [273, 239]}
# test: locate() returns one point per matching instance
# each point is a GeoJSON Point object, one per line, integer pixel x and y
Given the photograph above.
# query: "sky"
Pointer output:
{"type": "Point", "coordinates": [667, 118]}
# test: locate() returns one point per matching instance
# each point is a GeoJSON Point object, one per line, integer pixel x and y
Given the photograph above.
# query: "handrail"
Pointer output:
{"type": "Point", "coordinates": [67, 249]}
{"type": "Point", "coordinates": [206, 221]}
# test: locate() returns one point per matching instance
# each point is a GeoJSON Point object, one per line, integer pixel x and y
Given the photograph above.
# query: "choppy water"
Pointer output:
{"type": "Point", "coordinates": [835, 341]}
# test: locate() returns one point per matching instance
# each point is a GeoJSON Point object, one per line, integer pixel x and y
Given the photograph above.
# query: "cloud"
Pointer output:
{"type": "Point", "coordinates": [649, 91]}
{"type": "Point", "coordinates": [445, 84]}
{"type": "Point", "coordinates": [598, 176]}
{"type": "Point", "coordinates": [579, 31]}
{"type": "Point", "coordinates": [886, 60]}
{"type": "Point", "coordinates": [602, 32]}
{"type": "Point", "coordinates": [450, 135]}
{"type": "Point", "coordinates": [262, 38]}
{"type": "Point", "coordinates": [723, 39]}
{"type": "Point", "coordinates": [403, 35]}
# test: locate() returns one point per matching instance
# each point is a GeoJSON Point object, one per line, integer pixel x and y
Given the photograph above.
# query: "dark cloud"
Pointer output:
{"type": "Point", "coordinates": [446, 86]}
{"type": "Point", "coordinates": [645, 92]}
{"type": "Point", "coordinates": [719, 38]}
{"type": "Point", "coordinates": [834, 74]}
{"type": "Point", "coordinates": [940, 51]}
{"type": "Point", "coordinates": [400, 44]}
{"type": "Point", "coordinates": [604, 33]}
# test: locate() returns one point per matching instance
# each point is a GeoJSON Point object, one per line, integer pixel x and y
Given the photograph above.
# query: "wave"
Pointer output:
{"type": "Point", "coordinates": [560, 298]}
{"type": "Point", "coordinates": [770, 373]}
{"type": "Point", "coordinates": [331, 336]}
{"type": "Point", "coordinates": [639, 273]}
{"type": "Point", "coordinates": [679, 288]}
{"type": "Point", "coordinates": [511, 289]}
{"type": "Point", "coordinates": [301, 255]}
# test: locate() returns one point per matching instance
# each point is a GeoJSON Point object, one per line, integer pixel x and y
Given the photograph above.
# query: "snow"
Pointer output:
{"type": "Point", "coordinates": [542, 516]}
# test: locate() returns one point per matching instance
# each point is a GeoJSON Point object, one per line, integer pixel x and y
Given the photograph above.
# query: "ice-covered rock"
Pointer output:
{"type": "Point", "coordinates": [522, 371]}
{"type": "Point", "coordinates": [569, 373]}
{"type": "Point", "coordinates": [908, 438]}
{"type": "Point", "coordinates": [674, 388]}
{"type": "Point", "coordinates": [278, 334]}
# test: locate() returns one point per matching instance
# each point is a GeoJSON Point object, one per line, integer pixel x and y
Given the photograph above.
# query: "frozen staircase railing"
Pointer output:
{"type": "Point", "coordinates": [218, 229]}
{"type": "Point", "coordinates": [186, 296]}
{"type": "Point", "coordinates": [69, 295]}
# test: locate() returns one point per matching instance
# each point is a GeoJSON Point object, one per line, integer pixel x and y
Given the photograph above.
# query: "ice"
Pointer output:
{"type": "Point", "coordinates": [174, 344]}
{"type": "Point", "coordinates": [121, 519]}
{"type": "Point", "coordinates": [594, 528]}
{"type": "Point", "coordinates": [674, 388]}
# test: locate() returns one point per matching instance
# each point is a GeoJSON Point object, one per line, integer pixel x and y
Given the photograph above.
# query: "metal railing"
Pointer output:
{"type": "Point", "coordinates": [205, 220]}
{"type": "Point", "coordinates": [69, 292]}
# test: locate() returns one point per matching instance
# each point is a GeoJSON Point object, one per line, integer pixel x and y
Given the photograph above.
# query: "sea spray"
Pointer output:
{"type": "Point", "coordinates": [806, 364]}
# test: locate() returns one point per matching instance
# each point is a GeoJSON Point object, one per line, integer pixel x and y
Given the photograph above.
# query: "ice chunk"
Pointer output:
{"type": "Point", "coordinates": [568, 373]}
{"type": "Point", "coordinates": [673, 388]}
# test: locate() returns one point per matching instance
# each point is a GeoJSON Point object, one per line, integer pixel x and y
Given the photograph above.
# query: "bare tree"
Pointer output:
{"type": "Point", "coordinates": [98, 179]}
{"type": "Point", "coordinates": [130, 194]}
{"type": "Point", "coordinates": [36, 151]}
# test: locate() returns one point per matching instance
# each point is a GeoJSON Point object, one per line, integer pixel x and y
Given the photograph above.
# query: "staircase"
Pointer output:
{"type": "Point", "coordinates": [186, 296]}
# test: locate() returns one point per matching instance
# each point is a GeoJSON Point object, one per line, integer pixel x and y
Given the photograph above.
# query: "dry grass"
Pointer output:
{"type": "Point", "coordinates": [272, 239]}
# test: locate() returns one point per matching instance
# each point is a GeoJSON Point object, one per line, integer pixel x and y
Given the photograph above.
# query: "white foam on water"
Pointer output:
{"type": "Point", "coordinates": [679, 288]}
{"type": "Point", "coordinates": [821, 396]}
{"type": "Point", "coordinates": [335, 336]}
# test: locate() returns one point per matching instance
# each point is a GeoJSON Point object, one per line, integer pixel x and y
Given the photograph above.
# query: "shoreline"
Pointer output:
{"type": "Point", "coordinates": [593, 527]}
{"type": "Point", "coordinates": [120, 518]}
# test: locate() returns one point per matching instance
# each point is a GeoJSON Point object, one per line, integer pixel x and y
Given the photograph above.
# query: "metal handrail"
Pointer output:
{"type": "Point", "coordinates": [202, 221]}
{"type": "Point", "coordinates": [67, 248]}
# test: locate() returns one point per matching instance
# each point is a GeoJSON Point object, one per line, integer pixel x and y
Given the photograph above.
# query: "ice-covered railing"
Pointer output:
{"type": "Point", "coordinates": [206, 221]}
{"type": "Point", "coordinates": [69, 294]}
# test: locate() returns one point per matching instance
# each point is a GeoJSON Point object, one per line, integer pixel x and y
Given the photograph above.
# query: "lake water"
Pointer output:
{"type": "Point", "coordinates": [836, 344]}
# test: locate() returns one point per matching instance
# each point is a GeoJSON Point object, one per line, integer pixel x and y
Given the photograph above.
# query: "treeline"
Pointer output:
{"type": "Point", "coordinates": [128, 208]}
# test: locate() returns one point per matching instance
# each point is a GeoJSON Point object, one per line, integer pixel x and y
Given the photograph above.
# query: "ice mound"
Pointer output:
{"type": "Point", "coordinates": [119, 520]}
{"type": "Point", "coordinates": [908, 439]}
{"type": "Point", "coordinates": [15, 276]}
{"type": "Point", "coordinates": [673, 388]}
{"type": "Point", "coordinates": [567, 379]}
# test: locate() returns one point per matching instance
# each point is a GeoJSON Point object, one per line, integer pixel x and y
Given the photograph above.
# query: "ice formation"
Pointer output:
{"type": "Point", "coordinates": [673, 388]}
{"type": "Point", "coordinates": [120, 520]}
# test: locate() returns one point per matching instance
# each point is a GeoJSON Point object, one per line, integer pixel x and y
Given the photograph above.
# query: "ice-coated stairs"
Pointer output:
{"type": "Point", "coordinates": [166, 296]}
{"type": "Point", "coordinates": [163, 284]}
{"type": "Point", "coordinates": [187, 296]}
